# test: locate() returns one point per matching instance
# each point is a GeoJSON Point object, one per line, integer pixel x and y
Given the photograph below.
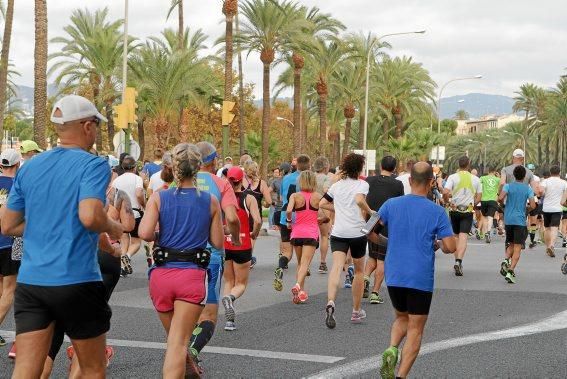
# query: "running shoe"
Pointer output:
{"type": "Point", "coordinates": [500, 231]}
{"type": "Point", "coordinates": [510, 277]}
{"type": "Point", "coordinates": [564, 265]}
{"type": "Point", "coordinates": [389, 362]}
{"type": "Point", "coordinates": [253, 262]}
{"type": "Point", "coordinates": [228, 308]}
{"type": "Point", "coordinates": [323, 268]}
{"type": "Point", "coordinates": [478, 235]}
{"type": "Point", "coordinates": [149, 259]}
{"type": "Point", "coordinates": [191, 368]}
{"type": "Point", "coordinates": [458, 267]}
{"type": "Point", "coordinates": [375, 298]}
{"type": "Point", "coordinates": [348, 282]}
{"type": "Point", "coordinates": [550, 252]}
{"type": "Point", "coordinates": [295, 293]}
{"type": "Point", "coordinates": [357, 316]}
{"type": "Point", "coordinates": [126, 264]}
{"type": "Point", "coordinates": [487, 238]}
{"type": "Point", "coordinates": [308, 272]}
{"type": "Point", "coordinates": [2, 341]}
{"type": "Point", "coordinates": [230, 326]}
{"type": "Point", "coordinates": [303, 296]}
{"type": "Point", "coordinates": [366, 291]}
{"type": "Point", "coordinates": [12, 352]}
{"type": "Point", "coordinates": [532, 245]}
{"type": "Point", "coordinates": [330, 319]}
{"type": "Point", "coordinates": [278, 280]}
{"type": "Point", "coordinates": [349, 277]}
{"type": "Point", "coordinates": [109, 351]}
{"type": "Point", "coordinates": [504, 266]}
{"type": "Point", "coordinates": [564, 244]}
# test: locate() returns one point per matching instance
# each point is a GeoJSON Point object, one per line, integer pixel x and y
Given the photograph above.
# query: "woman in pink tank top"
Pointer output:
{"type": "Point", "coordinates": [305, 228]}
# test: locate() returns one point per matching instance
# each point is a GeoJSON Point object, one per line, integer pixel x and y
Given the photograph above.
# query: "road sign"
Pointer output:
{"type": "Point", "coordinates": [433, 155]}
{"type": "Point", "coordinates": [135, 149]}
{"type": "Point", "coordinates": [370, 159]}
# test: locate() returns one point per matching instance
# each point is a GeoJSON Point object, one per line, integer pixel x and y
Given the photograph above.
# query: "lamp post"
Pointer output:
{"type": "Point", "coordinates": [125, 74]}
{"type": "Point", "coordinates": [518, 134]}
{"type": "Point", "coordinates": [439, 105]}
{"type": "Point", "coordinates": [370, 47]}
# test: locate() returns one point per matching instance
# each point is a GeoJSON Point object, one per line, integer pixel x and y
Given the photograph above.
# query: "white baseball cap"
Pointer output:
{"type": "Point", "coordinates": [10, 157]}
{"type": "Point", "coordinates": [74, 108]}
{"type": "Point", "coordinates": [518, 153]}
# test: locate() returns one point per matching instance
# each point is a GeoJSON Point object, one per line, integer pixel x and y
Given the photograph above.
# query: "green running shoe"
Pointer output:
{"type": "Point", "coordinates": [376, 299]}
{"type": "Point", "coordinates": [510, 277]}
{"type": "Point", "coordinates": [389, 362]}
{"type": "Point", "coordinates": [278, 280]}
{"type": "Point", "coordinates": [504, 267]}
{"type": "Point", "coordinates": [2, 341]}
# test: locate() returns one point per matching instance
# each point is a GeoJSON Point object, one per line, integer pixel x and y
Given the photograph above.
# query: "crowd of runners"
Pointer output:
{"type": "Point", "coordinates": [71, 222]}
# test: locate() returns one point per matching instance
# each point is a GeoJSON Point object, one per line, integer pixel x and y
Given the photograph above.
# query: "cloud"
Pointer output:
{"type": "Point", "coordinates": [509, 42]}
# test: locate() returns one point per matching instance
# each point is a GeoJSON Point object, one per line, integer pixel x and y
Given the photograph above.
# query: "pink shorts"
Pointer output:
{"type": "Point", "coordinates": [170, 284]}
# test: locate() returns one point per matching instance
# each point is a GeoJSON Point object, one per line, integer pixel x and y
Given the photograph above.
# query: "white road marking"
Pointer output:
{"type": "Point", "coordinates": [9, 335]}
{"type": "Point", "coordinates": [361, 366]}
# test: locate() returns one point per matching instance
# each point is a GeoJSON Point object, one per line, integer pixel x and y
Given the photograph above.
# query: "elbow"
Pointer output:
{"type": "Point", "coordinates": [146, 235]}
{"type": "Point", "coordinates": [87, 218]}
{"type": "Point", "coordinates": [217, 243]}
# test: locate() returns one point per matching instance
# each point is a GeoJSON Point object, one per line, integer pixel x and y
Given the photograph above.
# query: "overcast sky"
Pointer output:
{"type": "Point", "coordinates": [509, 42]}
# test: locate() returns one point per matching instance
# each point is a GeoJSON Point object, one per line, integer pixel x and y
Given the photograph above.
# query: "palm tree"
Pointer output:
{"type": "Point", "coordinates": [229, 9]}
{"type": "Point", "coordinates": [556, 120]}
{"type": "Point", "coordinates": [461, 114]}
{"type": "Point", "coordinates": [241, 140]}
{"type": "Point", "coordinates": [4, 60]}
{"type": "Point", "coordinates": [531, 99]}
{"type": "Point", "coordinates": [266, 29]}
{"type": "Point", "coordinates": [179, 5]}
{"type": "Point", "coordinates": [40, 73]}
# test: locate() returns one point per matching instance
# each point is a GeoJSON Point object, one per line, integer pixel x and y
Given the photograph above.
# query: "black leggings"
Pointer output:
{"type": "Point", "coordinates": [110, 271]}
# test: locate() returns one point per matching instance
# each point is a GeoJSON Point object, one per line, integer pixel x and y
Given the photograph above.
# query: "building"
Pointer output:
{"type": "Point", "coordinates": [486, 123]}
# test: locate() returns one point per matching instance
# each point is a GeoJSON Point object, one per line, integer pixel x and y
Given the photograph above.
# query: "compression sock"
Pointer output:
{"type": "Point", "coordinates": [533, 228]}
{"type": "Point", "coordinates": [201, 336]}
{"type": "Point", "coordinates": [459, 261]}
{"type": "Point", "coordinates": [283, 262]}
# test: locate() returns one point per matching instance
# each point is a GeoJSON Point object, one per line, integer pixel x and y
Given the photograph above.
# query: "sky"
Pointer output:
{"type": "Point", "coordinates": [509, 42]}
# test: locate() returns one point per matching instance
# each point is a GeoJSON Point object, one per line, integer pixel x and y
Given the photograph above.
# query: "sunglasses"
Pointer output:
{"type": "Point", "coordinates": [95, 120]}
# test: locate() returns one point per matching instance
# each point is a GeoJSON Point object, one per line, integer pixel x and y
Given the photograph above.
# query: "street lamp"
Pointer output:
{"type": "Point", "coordinates": [439, 105]}
{"type": "Point", "coordinates": [518, 134]}
{"type": "Point", "coordinates": [374, 41]}
{"type": "Point", "coordinates": [285, 119]}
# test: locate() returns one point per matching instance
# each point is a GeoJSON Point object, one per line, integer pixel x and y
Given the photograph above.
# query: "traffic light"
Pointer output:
{"type": "Point", "coordinates": [227, 115]}
{"type": "Point", "coordinates": [120, 116]}
{"type": "Point", "coordinates": [131, 105]}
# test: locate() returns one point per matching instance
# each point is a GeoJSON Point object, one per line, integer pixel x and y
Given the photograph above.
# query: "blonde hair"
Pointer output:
{"type": "Point", "coordinates": [251, 169]}
{"type": "Point", "coordinates": [186, 161]}
{"type": "Point", "coordinates": [307, 181]}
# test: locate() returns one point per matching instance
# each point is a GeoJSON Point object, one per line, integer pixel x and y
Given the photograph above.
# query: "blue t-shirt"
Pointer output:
{"type": "Point", "coordinates": [58, 249]}
{"type": "Point", "coordinates": [5, 185]}
{"type": "Point", "coordinates": [205, 182]}
{"type": "Point", "coordinates": [288, 188]}
{"type": "Point", "coordinates": [151, 168]}
{"type": "Point", "coordinates": [414, 223]}
{"type": "Point", "coordinates": [517, 194]}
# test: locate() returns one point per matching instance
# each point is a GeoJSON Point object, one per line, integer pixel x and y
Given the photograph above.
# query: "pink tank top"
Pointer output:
{"type": "Point", "coordinates": [305, 225]}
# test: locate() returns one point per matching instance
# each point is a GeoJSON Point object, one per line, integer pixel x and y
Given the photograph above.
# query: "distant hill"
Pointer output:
{"type": "Point", "coordinates": [25, 96]}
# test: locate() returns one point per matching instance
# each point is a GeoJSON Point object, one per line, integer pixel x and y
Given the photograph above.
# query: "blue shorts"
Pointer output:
{"type": "Point", "coordinates": [215, 271]}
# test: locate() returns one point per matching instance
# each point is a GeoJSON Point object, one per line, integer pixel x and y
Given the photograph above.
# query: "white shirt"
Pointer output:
{"type": "Point", "coordinates": [463, 196]}
{"type": "Point", "coordinates": [554, 188]}
{"type": "Point", "coordinates": [129, 182]}
{"type": "Point", "coordinates": [404, 178]}
{"type": "Point", "coordinates": [156, 183]}
{"type": "Point", "coordinates": [348, 216]}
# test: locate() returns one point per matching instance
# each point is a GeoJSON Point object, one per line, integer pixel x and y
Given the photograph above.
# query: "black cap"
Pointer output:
{"type": "Point", "coordinates": [285, 167]}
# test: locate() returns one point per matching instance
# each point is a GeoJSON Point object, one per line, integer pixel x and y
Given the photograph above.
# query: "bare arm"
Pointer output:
{"type": "Point", "coordinates": [362, 204]}
{"type": "Point", "coordinates": [266, 192]}
{"type": "Point", "coordinates": [12, 222]}
{"type": "Point", "coordinates": [149, 222]}
{"type": "Point", "coordinates": [233, 224]}
{"type": "Point", "coordinates": [532, 205]}
{"type": "Point", "coordinates": [125, 208]}
{"type": "Point", "coordinates": [255, 213]}
{"type": "Point", "coordinates": [449, 245]}
{"type": "Point", "coordinates": [326, 205]}
{"type": "Point", "coordinates": [290, 208]}
{"type": "Point", "coordinates": [477, 197]}
{"type": "Point", "coordinates": [216, 234]}
{"type": "Point", "coordinates": [502, 196]}
{"type": "Point", "coordinates": [140, 196]}
{"type": "Point", "coordinates": [93, 217]}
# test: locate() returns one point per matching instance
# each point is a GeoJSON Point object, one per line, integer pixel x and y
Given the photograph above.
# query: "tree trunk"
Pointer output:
{"type": "Point", "coordinates": [181, 26]}
{"type": "Point", "coordinates": [323, 124]}
{"type": "Point", "coordinates": [337, 147]}
{"type": "Point", "coordinates": [361, 131]}
{"type": "Point", "coordinates": [240, 95]}
{"type": "Point", "coordinates": [557, 141]}
{"type": "Point", "coordinates": [298, 62]}
{"type": "Point", "coordinates": [227, 78]}
{"type": "Point", "coordinates": [4, 60]}
{"type": "Point", "coordinates": [304, 135]}
{"type": "Point", "coordinates": [110, 125]}
{"type": "Point", "coordinates": [399, 124]}
{"type": "Point", "coordinates": [346, 143]}
{"type": "Point", "coordinates": [265, 121]}
{"type": "Point", "coordinates": [141, 137]}
{"type": "Point", "coordinates": [539, 149]}
{"type": "Point", "coordinates": [40, 73]}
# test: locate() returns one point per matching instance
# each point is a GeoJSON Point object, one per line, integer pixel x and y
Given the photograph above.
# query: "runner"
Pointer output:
{"type": "Point", "coordinates": [321, 167]}
{"type": "Point", "coordinates": [239, 256]}
{"type": "Point", "coordinates": [516, 195]}
{"type": "Point", "coordinates": [462, 191]}
{"type": "Point", "coordinates": [276, 177]}
{"type": "Point", "coordinates": [258, 188]}
{"type": "Point", "coordinates": [404, 177]}
{"type": "Point", "coordinates": [535, 215]}
{"type": "Point", "coordinates": [29, 149]}
{"type": "Point", "coordinates": [163, 178]}
{"type": "Point", "coordinates": [488, 203]}
{"type": "Point", "coordinates": [151, 168]}
{"type": "Point", "coordinates": [381, 188]}
{"type": "Point", "coordinates": [410, 265]}
{"type": "Point", "coordinates": [227, 165]}
{"type": "Point", "coordinates": [59, 280]}
{"type": "Point", "coordinates": [223, 192]}
{"type": "Point", "coordinates": [133, 185]}
{"type": "Point", "coordinates": [305, 229]}
{"type": "Point", "coordinates": [347, 198]}
{"type": "Point", "coordinates": [554, 191]}
{"type": "Point", "coordinates": [10, 161]}
{"type": "Point", "coordinates": [188, 219]}
{"type": "Point", "coordinates": [289, 187]}
{"type": "Point", "coordinates": [275, 191]}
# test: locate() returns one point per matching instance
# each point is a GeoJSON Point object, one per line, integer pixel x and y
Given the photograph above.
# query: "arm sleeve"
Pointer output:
{"type": "Point", "coordinates": [16, 201]}
{"type": "Point", "coordinates": [95, 181]}
{"type": "Point", "coordinates": [444, 228]}
{"type": "Point", "coordinates": [363, 187]}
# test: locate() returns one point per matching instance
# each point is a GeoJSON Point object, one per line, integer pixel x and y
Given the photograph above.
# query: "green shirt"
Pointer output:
{"type": "Point", "coordinates": [490, 184]}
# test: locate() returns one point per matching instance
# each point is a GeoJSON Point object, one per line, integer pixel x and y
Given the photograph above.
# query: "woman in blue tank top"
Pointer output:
{"type": "Point", "coordinates": [188, 219]}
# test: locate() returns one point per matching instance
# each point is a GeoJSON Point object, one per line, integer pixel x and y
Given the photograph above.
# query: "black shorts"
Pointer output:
{"type": "Point", "coordinates": [305, 242]}
{"type": "Point", "coordinates": [516, 234]}
{"type": "Point", "coordinates": [357, 246]}
{"type": "Point", "coordinates": [552, 219]}
{"type": "Point", "coordinates": [238, 256]}
{"type": "Point", "coordinates": [409, 300]}
{"type": "Point", "coordinates": [8, 266]}
{"type": "Point", "coordinates": [110, 271]}
{"type": "Point", "coordinates": [488, 208]}
{"type": "Point", "coordinates": [81, 310]}
{"type": "Point", "coordinates": [134, 232]}
{"type": "Point", "coordinates": [276, 218]}
{"type": "Point", "coordinates": [285, 233]}
{"type": "Point", "coordinates": [461, 222]}
{"type": "Point", "coordinates": [376, 251]}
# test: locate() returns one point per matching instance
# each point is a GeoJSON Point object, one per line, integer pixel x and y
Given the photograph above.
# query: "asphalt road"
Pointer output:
{"type": "Point", "coordinates": [277, 339]}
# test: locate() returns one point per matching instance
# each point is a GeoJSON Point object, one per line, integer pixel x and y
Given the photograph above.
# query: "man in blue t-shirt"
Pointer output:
{"type": "Point", "coordinates": [57, 204]}
{"type": "Point", "coordinates": [516, 195]}
{"type": "Point", "coordinates": [10, 162]}
{"type": "Point", "coordinates": [151, 168]}
{"type": "Point", "coordinates": [415, 224]}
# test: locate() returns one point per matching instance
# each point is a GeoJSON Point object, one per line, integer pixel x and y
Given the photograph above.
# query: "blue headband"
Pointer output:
{"type": "Point", "coordinates": [210, 157]}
